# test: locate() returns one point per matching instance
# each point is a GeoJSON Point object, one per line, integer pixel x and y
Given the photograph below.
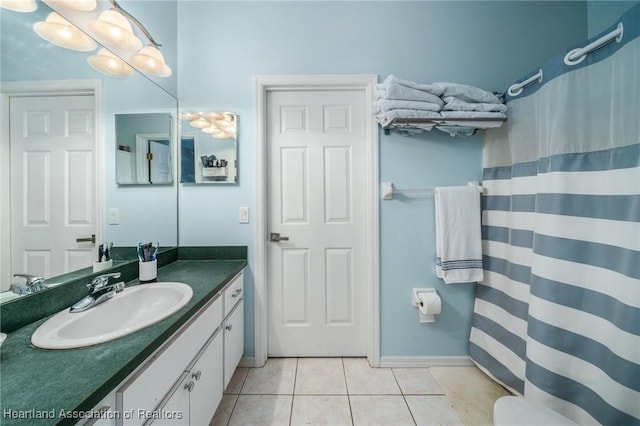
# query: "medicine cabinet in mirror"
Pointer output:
{"type": "Point", "coordinates": [208, 148]}
{"type": "Point", "coordinates": [143, 149]}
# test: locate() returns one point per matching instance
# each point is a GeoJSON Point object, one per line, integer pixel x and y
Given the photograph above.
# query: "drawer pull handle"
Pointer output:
{"type": "Point", "coordinates": [197, 375]}
{"type": "Point", "coordinates": [229, 327]}
{"type": "Point", "coordinates": [189, 386]}
{"type": "Point", "coordinates": [236, 293]}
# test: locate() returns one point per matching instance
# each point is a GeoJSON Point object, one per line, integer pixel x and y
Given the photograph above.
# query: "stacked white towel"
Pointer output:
{"type": "Point", "coordinates": [444, 104]}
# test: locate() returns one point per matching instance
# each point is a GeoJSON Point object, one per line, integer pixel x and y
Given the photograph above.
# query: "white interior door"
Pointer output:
{"type": "Point", "coordinates": [53, 193]}
{"type": "Point", "coordinates": [160, 166]}
{"type": "Point", "coordinates": [316, 199]}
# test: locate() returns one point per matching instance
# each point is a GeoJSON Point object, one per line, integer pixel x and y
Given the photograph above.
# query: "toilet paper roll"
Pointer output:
{"type": "Point", "coordinates": [430, 303]}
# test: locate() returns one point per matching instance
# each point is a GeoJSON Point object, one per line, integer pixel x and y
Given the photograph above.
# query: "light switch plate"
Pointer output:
{"type": "Point", "coordinates": [243, 215]}
{"type": "Point", "coordinates": [114, 216]}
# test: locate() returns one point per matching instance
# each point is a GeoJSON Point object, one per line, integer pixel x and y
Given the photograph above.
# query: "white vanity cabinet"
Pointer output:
{"type": "Point", "coordinates": [183, 381]}
{"type": "Point", "coordinates": [233, 328]}
{"type": "Point", "coordinates": [194, 398]}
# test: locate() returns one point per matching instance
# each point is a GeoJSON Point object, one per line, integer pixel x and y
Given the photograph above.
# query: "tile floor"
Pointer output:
{"type": "Point", "coordinates": [346, 391]}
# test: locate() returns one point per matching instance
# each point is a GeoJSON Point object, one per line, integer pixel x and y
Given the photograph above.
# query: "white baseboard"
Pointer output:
{"type": "Point", "coordinates": [400, 361]}
{"type": "Point", "coordinates": [247, 361]}
{"type": "Point", "coordinates": [425, 361]}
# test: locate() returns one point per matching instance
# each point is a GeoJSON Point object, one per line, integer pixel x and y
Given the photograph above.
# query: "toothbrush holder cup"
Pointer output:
{"type": "Point", "coordinates": [101, 266]}
{"type": "Point", "coordinates": [148, 271]}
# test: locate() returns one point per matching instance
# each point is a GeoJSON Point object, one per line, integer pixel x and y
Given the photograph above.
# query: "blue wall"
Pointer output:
{"type": "Point", "coordinates": [602, 14]}
{"type": "Point", "coordinates": [223, 44]}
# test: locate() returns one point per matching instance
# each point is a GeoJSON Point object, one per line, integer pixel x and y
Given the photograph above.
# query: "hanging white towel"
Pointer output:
{"type": "Point", "coordinates": [458, 239]}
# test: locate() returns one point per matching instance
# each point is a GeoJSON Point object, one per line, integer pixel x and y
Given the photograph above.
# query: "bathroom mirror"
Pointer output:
{"type": "Point", "coordinates": [143, 149]}
{"type": "Point", "coordinates": [123, 212]}
{"type": "Point", "coordinates": [209, 148]}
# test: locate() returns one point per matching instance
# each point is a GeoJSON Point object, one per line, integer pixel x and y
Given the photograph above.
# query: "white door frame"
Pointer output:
{"type": "Point", "coordinates": [44, 88]}
{"type": "Point", "coordinates": [271, 83]}
{"type": "Point", "coordinates": [142, 145]}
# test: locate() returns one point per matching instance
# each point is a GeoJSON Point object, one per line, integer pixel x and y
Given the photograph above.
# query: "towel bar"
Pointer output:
{"type": "Point", "coordinates": [387, 190]}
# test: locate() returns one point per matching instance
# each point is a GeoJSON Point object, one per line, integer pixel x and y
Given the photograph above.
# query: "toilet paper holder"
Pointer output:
{"type": "Point", "coordinates": [418, 303]}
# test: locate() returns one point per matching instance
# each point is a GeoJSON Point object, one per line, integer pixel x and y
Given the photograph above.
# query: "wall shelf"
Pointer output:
{"type": "Point", "coordinates": [397, 123]}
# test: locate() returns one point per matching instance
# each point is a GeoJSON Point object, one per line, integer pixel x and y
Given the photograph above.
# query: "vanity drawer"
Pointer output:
{"type": "Point", "coordinates": [233, 293]}
{"type": "Point", "coordinates": [146, 388]}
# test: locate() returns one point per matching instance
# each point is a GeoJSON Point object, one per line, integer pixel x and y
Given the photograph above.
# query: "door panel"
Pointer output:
{"type": "Point", "coordinates": [316, 150]}
{"type": "Point", "coordinates": [53, 189]}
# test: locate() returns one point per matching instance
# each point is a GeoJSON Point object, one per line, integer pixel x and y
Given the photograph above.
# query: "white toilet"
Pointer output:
{"type": "Point", "coordinates": [517, 411]}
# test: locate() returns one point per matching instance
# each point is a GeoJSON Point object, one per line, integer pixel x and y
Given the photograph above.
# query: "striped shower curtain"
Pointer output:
{"type": "Point", "coordinates": [557, 317]}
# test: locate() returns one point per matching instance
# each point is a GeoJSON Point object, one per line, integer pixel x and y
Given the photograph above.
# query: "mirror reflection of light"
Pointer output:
{"type": "Point", "coordinates": [19, 5]}
{"type": "Point", "coordinates": [220, 125]}
{"type": "Point", "coordinates": [230, 133]}
{"type": "Point", "coordinates": [81, 5]}
{"type": "Point", "coordinates": [57, 30]}
{"type": "Point", "coordinates": [224, 124]}
{"type": "Point", "coordinates": [108, 63]}
{"type": "Point", "coordinates": [115, 29]}
{"type": "Point", "coordinates": [150, 60]}
{"type": "Point", "coordinates": [190, 116]}
{"type": "Point", "coordinates": [213, 116]}
{"type": "Point", "coordinates": [210, 130]}
{"type": "Point", "coordinates": [200, 123]}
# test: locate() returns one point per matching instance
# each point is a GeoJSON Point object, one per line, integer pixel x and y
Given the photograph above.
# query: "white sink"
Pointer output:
{"type": "Point", "coordinates": [130, 310]}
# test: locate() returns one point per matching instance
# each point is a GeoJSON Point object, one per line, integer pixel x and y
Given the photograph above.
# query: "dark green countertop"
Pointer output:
{"type": "Point", "coordinates": [40, 383]}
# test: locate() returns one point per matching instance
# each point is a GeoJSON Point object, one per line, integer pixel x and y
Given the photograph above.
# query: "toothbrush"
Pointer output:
{"type": "Point", "coordinates": [146, 252]}
{"type": "Point", "coordinates": [107, 247]}
{"type": "Point", "coordinates": [155, 252]}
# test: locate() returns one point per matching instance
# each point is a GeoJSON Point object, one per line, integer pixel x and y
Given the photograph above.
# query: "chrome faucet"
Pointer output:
{"type": "Point", "coordinates": [33, 284]}
{"type": "Point", "coordinates": [99, 291]}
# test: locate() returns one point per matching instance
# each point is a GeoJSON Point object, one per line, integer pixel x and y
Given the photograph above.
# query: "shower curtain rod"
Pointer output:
{"type": "Point", "coordinates": [574, 57]}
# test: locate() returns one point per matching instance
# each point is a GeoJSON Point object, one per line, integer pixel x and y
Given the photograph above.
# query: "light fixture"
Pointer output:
{"type": "Point", "coordinates": [213, 116]}
{"type": "Point", "coordinates": [231, 133]}
{"type": "Point", "coordinates": [57, 30]}
{"type": "Point", "coordinates": [108, 63]}
{"type": "Point", "coordinates": [81, 5]}
{"type": "Point", "coordinates": [220, 125]}
{"type": "Point", "coordinates": [115, 29]}
{"type": "Point", "coordinates": [19, 5]}
{"type": "Point", "coordinates": [220, 134]}
{"type": "Point", "coordinates": [210, 130]}
{"type": "Point", "coordinates": [149, 59]}
{"type": "Point", "coordinates": [200, 123]}
{"type": "Point", "coordinates": [189, 116]}
{"type": "Point", "coordinates": [225, 124]}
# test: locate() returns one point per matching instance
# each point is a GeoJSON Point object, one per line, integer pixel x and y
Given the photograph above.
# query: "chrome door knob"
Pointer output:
{"type": "Point", "coordinates": [275, 237]}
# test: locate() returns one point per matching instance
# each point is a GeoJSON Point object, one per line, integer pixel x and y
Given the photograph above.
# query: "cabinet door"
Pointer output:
{"type": "Point", "coordinates": [174, 410]}
{"type": "Point", "coordinates": [149, 386]}
{"type": "Point", "coordinates": [207, 377]}
{"type": "Point", "coordinates": [233, 293]}
{"type": "Point", "coordinates": [233, 341]}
